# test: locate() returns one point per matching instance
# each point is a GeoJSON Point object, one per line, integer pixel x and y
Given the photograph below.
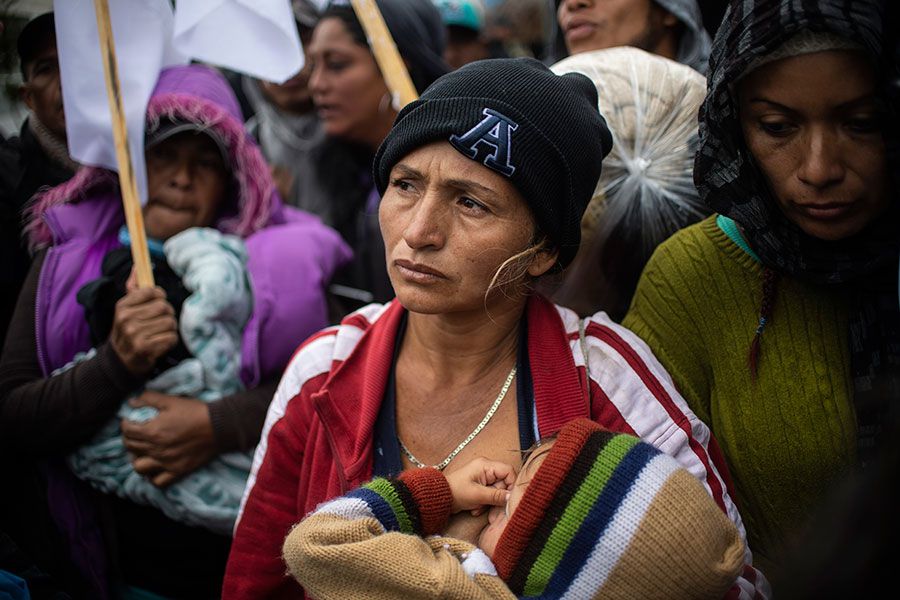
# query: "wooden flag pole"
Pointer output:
{"type": "Point", "coordinates": [393, 69]}
{"type": "Point", "coordinates": [134, 218]}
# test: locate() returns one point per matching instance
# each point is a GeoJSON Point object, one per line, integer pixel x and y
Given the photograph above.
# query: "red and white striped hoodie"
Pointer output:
{"type": "Point", "coordinates": [317, 442]}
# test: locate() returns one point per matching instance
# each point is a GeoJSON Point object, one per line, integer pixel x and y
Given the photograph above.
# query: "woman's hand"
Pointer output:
{"type": "Point", "coordinates": [176, 442]}
{"type": "Point", "coordinates": [479, 483]}
{"type": "Point", "coordinates": [144, 328]}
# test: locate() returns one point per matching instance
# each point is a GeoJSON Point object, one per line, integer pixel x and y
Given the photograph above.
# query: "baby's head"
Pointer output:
{"type": "Point", "coordinates": [498, 516]}
{"type": "Point", "coordinates": [604, 511]}
{"type": "Point", "coordinates": [188, 177]}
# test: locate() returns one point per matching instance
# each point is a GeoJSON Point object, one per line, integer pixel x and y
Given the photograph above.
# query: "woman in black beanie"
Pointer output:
{"type": "Point", "coordinates": [484, 181]}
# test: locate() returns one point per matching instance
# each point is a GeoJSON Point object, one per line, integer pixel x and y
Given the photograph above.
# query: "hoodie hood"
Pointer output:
{"type": "Point", "coordinates": [196, 94]}
{"type": "Point", "coordinates": [418, 29]}
{"type": "Point", "coordinates": [693, 47]}
{"type": "Point", "coordinates": [695, 44]}
{"type": "Point", "coordinates": [728, 179]}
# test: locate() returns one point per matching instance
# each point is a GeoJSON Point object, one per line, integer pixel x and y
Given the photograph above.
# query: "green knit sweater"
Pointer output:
{"type": "Point", "coordinates": [788, 434]}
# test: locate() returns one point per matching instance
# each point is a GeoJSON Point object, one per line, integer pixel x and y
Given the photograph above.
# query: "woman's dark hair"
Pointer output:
{"type": "Point", "coordinates": [348, 17]}
{"type": "Point", "coordinates": [342, 164]}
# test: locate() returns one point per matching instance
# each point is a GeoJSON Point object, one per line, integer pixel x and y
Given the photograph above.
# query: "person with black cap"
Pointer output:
{"type": "Point", "coordinates": [39, 156]}
{"type": "Point", "coordinates": [485, 179]}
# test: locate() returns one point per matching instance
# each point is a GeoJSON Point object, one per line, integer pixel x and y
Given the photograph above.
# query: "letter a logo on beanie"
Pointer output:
{"type": "Point", "coordinates": [494, 131]}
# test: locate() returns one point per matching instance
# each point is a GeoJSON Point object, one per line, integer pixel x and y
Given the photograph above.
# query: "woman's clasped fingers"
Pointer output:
{"type": "Point", "coordinates": [147, 466]}
{"type": "Point", "coordinates": [180, 438]}
{"type": "Point", "coordinates": [144, 329]}
{"type": "Point", "coordinates": [154, 470]}
{"type": "Point", "coordinates": [137, 447]}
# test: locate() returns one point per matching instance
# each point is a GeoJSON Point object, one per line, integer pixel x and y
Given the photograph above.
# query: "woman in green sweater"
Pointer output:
{"type": "Point", "coordinates": [778, 317]}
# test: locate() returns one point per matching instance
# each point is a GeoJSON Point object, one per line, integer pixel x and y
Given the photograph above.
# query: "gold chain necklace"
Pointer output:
{"type": "Point", "coordinates": [490, 413]}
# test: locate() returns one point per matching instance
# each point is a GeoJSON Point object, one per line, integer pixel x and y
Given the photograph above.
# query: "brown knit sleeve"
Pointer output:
{"type": "Point", "coordinates": [46, 415]}
{"type": "Point", "coordinates": [238, 419]}
{"type": "Point", "coordinates": [431, 496]}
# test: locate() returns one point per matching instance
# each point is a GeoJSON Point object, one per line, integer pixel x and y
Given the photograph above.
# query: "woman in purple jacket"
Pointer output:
{"type": "Point", "coordinates": [221, 180]}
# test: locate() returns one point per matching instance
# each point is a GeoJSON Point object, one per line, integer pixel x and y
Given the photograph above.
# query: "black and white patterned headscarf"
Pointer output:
{"type": "Point", "coordinates": [729, 181]}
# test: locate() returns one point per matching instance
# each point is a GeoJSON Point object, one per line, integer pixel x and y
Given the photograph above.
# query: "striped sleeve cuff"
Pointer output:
{"type": "Point", "coordinates": [418, 502]}
{"type": "Point", "coordinates": [431, 494]}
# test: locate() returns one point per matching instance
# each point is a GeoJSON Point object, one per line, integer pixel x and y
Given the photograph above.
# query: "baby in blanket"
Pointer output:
{"type": "Point", "coordinates": [205, 272]}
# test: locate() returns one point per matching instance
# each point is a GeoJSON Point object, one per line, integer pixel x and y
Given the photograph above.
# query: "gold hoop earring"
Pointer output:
{"type": "Point", "coordinates": [386, 103]}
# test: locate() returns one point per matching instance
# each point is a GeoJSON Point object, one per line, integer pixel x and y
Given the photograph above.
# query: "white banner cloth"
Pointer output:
{"type": "Point", "coordinates": [257, 37]}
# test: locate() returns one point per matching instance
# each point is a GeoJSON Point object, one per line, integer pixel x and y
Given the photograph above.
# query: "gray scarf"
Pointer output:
{"type": "Point", "coordinates": [287, 141]}
{"type": "Point", "coordinates": [54, 147]}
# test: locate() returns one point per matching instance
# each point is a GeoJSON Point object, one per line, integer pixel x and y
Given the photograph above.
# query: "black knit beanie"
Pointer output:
{"type": "Point", "coordinates": [517, 117]}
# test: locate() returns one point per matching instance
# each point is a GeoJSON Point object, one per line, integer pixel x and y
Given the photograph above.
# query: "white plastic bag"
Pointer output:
{"type": "Point", "coordinates": [646, 190]}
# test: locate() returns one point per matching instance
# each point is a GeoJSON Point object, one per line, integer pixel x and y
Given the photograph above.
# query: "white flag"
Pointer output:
{"type": "Point", "coordinates": [143, 32]}
{"type": "Point", "coordinates": [257, 37]}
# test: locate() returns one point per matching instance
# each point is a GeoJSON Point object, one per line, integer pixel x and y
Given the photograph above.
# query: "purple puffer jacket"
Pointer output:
{"type": "Point", "coordinates": [292, 257]}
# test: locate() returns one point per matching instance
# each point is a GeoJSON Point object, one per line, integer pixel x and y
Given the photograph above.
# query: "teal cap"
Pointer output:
{"type": "Point", "coordinates": [462, 13]}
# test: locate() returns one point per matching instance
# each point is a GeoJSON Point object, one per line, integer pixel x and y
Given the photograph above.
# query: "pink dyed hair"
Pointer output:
{"type": "Point", "coordinates": [256, 196]}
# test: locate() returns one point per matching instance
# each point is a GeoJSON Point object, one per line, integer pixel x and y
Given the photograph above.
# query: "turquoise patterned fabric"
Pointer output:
{"type": "Point", "coordinates": [212, 266]}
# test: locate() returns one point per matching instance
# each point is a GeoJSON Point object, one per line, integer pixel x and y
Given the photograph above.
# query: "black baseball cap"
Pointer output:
{"type": "Point", "coordinates": [169, 128]}
{"type": "Point", "coordinates": [34, 38]}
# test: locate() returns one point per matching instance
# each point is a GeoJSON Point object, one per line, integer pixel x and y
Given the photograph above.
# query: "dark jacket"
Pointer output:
{"type": "Point", "coordinates": [24, 169]}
